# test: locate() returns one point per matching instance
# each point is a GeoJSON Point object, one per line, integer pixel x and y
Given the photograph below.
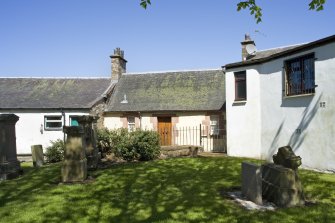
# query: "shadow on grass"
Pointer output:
{"type": "Point", "coordinates": [173, 190]}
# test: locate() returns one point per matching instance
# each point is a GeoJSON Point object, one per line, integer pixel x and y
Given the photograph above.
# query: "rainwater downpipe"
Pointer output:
{"type": "Point", "coordinates": [64, 123]}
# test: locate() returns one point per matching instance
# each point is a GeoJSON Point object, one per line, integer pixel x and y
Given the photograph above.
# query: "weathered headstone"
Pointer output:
{"type": "Point", "coordinates": [74, 167]}
{"type": "Point", "coordinates": [37, 155]}
{"type": "Point", "coordinates": [281, 184]}
{"type": "Point", "coordinates": [9, 164]}
{"type": "Point", "coordinates": [88, 123]}
{"type": "Point", "coordinates": [252, 182]}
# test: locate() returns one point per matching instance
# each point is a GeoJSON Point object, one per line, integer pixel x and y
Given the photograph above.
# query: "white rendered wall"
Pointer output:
{"type": "Point", "coordinates": [113, 121]}
{"type": "Point", "coordinates": [243, 118]}
{"type": "Point", "coordinates": [300, 121]}
{"type": "Point", "coordinates": [29, 125]}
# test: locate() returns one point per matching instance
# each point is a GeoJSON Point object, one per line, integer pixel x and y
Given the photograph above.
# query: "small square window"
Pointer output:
{"type": "Point", "coordinates": [74, 121]}
{"type": "Point", "coordinates": [53, 122]}
{"type": "Point", "coordinates": [240, 86]}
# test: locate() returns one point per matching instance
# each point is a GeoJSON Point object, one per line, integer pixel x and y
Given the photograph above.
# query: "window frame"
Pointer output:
{"type": "Point", "coordinates": [73, 117]}
{"type": "Point", "coordinates": [239, 78]}
{"type": "Point", "coordinates": [131, 125]}
{"type": "Point", "coordinates": [46, 128]}
{"type": "Point", "coordinates": [214, 121]}
{"type": "Point", "coordinates": [301, 60]}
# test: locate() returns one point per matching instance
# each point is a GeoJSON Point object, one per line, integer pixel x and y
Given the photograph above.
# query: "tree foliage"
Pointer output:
{"type": "Point", "coordinates": [255, 9]}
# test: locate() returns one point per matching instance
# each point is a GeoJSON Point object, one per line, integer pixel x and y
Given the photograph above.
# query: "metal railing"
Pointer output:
{"type": "Point", "coordinates": [202, 135]}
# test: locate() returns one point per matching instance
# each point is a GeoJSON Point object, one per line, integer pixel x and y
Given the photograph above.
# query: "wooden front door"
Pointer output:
{"type": "Point", "coordinates": [165, 130]}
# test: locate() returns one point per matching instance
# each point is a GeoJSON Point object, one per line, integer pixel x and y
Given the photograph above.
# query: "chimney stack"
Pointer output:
{"type": "Point", "coordinates": [247, 41]}
{"type": "Point", "coordinates": [118, 64]}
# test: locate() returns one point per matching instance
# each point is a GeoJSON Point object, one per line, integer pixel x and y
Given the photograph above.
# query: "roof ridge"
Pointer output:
{"type": "Point", "coordinates": [171, 71]}
{"type": "Point", "coordinates": [55, 78]}
{"type": "Point", "coordinates": [282, 47]}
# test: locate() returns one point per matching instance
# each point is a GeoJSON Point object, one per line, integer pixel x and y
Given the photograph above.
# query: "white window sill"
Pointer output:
{"type": "Point", "coordinates": [240, 102]}
{"type": "Point", "coordinates": [300, 95]}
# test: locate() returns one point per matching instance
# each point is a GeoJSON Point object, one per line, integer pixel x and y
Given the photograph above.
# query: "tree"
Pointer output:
{"type": "Point", "coordinates": [254, 9]}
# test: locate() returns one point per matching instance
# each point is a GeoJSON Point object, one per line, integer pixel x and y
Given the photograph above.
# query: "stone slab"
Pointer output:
{"type": "Point", "coordinates": [252, 182]}
{"type": "Point", "coordinates": [37, 155]}
{"type": "Point", "coordinates": [74, 171]}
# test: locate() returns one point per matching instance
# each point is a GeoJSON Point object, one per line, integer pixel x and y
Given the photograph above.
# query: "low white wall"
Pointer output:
{"type": "Point", "coordinates": [29, 125]}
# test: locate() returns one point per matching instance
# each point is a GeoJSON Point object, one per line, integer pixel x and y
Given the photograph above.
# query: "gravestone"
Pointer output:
{"type": "Point", "coordinates": [74, 167]}
{"type": "Point", "coordinates": [9, 164]}
{"type": "Point", "coordinates": [252, 182]}
{"type": "Point", "coordinates": [281, 183]}
{"type": "Point", "coordinates": [88, 123]}
{"type": "Point", "coordinates": [37, 155]}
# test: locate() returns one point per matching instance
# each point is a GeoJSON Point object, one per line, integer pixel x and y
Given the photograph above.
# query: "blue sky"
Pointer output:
{"type": "Point", "coordinates": [74, 38]}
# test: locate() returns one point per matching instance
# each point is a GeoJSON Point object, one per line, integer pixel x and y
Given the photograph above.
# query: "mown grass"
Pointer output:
{"type": "Point", "coordinates": [173, 190]}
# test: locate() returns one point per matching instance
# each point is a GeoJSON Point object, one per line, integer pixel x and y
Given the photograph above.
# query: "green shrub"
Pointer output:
{"type": "Point", "coordinates": [137, 145]}
{"type": "Point", "coordinates": [104, 142]}
{"type": "Point", "coordinates": [146, 144]}
{"type": "Point", "coordinates": [55, 152]}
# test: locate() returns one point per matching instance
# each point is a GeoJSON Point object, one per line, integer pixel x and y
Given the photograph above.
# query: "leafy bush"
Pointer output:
{"type": "Point", "coordinates": [109, 140]}
{"type": "Point", "coordinates": [104, 142]}
{"type": "Point", "coordinates": [146, 144]}
{"type": "Point", "coordinates": [55, 152]}
{"type": "Point", "coordinates": [137, 145]}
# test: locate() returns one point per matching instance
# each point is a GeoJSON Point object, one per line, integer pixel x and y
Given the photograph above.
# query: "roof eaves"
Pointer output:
{"type": "Point", "coordinates": [281, 54]}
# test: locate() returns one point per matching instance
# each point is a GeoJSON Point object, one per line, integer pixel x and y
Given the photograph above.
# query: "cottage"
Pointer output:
{"type": "Point", "coordinates": [45, 105]}
{"type": "Point", "coordinates": [174, 103]}
{"type": "Point", "coordinates": [283, 96]}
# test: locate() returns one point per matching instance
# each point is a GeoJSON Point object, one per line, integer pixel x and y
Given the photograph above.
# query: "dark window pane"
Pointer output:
{"type": "Point", "coordinates": [53, 124]}
{"type": "Point", "coordinates": [241, 90]}
{"type": "Point", "coordinates": [54, 118]}
{"type": "Point", "coordinates": [240, 86]}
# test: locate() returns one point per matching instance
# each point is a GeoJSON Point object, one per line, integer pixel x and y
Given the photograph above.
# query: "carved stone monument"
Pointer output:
{"type": "Point", "coordinates": [37, 155]}
{"type": "Point", "coordinates": [88, 123]}
{"type": "Point", "coordinates": [9, 164]}
{"type": "Point", "coordinates": [280, 181]}
{"type": "Point", "coordinates": [74, 167]}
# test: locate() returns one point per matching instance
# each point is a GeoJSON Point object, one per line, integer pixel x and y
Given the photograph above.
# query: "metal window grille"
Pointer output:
{"type": "Point", "coordinates": [300, 75]}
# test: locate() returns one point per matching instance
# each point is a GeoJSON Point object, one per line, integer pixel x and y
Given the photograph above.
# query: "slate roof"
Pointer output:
{"type": "Point", "coordinates": [169, 91]}
{"type": "Point", "coordinates": [47, 93]}
{"type": "Point", "coordinates": [268, 55]}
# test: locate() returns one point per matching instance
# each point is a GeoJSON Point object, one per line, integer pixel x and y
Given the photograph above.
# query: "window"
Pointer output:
{"type": "Point", "coordinates": [53, 122]}
{"type": "Point", "coordinates": [131, 123]}
{"type": "Point", "coordinates": [74, 121]}
{"type": "Point", "coordinates": [214, 125]}
{"type": "Point", "coordinates": [300, 77]}
{"type": "Point", "coordinates": [240, 86]}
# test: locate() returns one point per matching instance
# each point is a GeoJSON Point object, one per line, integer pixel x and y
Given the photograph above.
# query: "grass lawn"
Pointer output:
{"type": "Point", "coordinates": [172, 190]}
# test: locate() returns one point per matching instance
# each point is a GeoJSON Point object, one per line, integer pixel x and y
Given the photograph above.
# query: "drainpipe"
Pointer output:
{"type": "Point", "coordinates": [64, 123]}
